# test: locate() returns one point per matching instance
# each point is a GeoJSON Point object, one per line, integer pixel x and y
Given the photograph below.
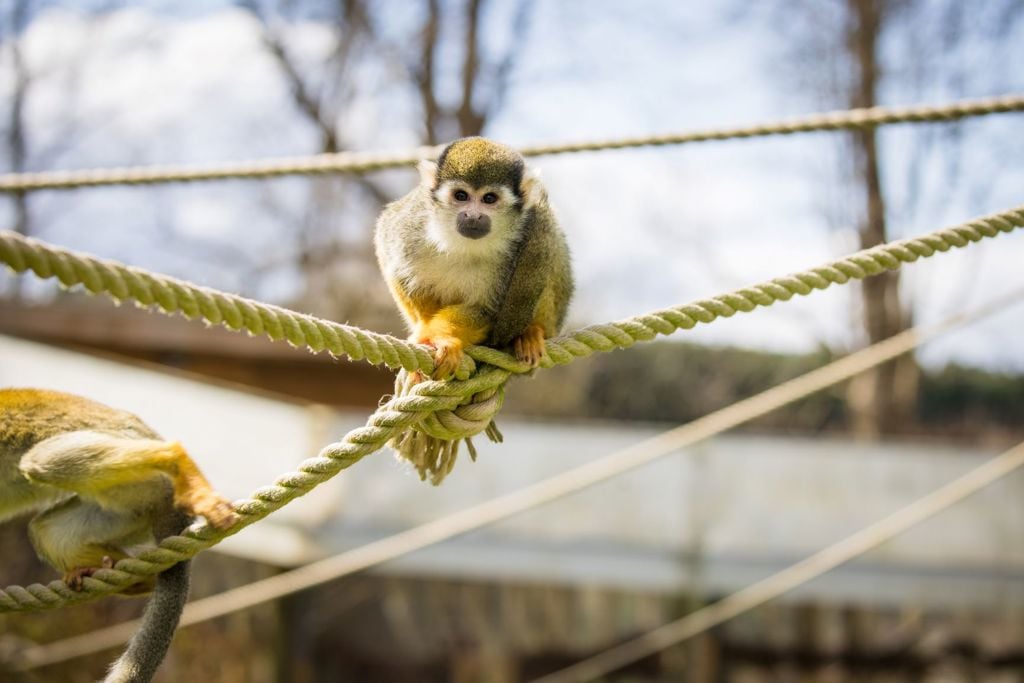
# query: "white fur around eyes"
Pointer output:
{"type": "Point", "coordinates": [506, 197]}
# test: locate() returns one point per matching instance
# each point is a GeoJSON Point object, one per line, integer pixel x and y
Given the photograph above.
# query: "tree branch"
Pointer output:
{"type": "Point", "coordinates": [469, 119]}
{"type": "Point", "coordinates": [425, 74]}
{"type": "Point", "coordinates": [503, 71]}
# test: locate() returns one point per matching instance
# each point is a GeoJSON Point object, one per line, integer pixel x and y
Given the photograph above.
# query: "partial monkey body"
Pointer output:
{"type": "Point", "coordinates": [102, 484]}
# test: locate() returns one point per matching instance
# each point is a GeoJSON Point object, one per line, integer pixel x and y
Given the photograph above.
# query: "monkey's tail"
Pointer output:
{"type": "Point", "coordinates": [148, 646]}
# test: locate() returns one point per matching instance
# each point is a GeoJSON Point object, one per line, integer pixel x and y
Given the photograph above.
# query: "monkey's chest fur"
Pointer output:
{"type": "Point", "coordinates": [432, 267]}
{"type": "Point", "coordinates": [454, 278]}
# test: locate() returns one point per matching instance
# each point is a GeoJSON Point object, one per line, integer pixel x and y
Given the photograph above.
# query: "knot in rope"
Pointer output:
{"type": "Point", "coordinates": [431, 445]}
{"type": "Point", "coordinates": [466, 420]}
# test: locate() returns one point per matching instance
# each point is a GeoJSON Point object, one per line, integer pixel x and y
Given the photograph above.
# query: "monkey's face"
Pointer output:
{"type": "Point", "coordinates": [467, 214]}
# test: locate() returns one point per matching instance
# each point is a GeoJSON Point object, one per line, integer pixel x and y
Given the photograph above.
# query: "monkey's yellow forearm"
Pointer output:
{"type": "Point", "coordinates": [449, 330]}
{"type": "Point", "coordinates": [416, 308]}
{"type": "Point", "coordinates": [457, 322]}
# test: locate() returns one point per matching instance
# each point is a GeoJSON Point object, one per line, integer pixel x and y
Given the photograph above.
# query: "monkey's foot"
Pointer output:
{"type": "Point", "coordinates": [215, 508]}
{"type": "Point", "coordinates": [76, 577]}
{"type": "Point", "coordinates": [529, 346]}
{"type": "Point", "coordinates": [447, 355]}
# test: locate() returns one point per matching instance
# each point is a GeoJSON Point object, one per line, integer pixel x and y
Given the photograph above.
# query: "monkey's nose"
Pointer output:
{"type": "Point", "coordinates": [473, 225]}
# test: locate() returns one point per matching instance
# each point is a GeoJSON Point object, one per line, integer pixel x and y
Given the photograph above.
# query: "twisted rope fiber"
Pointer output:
{"type": "Point", "coordinates": [428, 398]}
{"type": "Point", "coordinates": [532, 496]}
{"type": "Point", "coordinates": [170, 295]}
{"type": "Point", "coordinates": [793, 576]}
{"type": "Point", "coordinates": [365, 162]}
{"type": "Point", "coordinates": [389, 419]}
{"type": "Point", "coordinates": [236, 313]}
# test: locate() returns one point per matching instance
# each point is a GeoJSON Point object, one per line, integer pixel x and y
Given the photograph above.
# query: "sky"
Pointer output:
{"type": "Point", "coordinates": [648, 228]}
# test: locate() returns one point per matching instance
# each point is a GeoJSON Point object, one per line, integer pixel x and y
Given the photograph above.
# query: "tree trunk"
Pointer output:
{"type": "Point", "coordinates": [471, 121]}
{"type": "Point", "coordinates": [16, 147]}
{"type": "Point", "coordinates": [880, 401]}
{"type": "Point", "coordinates": [425, 74]}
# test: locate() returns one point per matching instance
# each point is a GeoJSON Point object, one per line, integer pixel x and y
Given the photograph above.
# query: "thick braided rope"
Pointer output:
{"type": "Point", "coordinates": [388, 420]}
{"type": "Point", "coordinates": [365, 162]}
{"type": "Point", "coordinates": [428, 398]}
{"type": "Point", "coordinates": [170, 295]}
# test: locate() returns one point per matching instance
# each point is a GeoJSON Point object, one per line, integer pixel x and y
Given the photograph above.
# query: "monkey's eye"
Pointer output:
{"type": "Point", "coordinates": [460, 195]}
{"type": "Point", "coordinates": [490, 198]}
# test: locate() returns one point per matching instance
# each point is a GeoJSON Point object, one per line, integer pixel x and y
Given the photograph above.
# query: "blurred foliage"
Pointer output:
{"type": "Point", "coordinates": [968, 396]}
{"type": "Point", "coordinates": [678, 382]}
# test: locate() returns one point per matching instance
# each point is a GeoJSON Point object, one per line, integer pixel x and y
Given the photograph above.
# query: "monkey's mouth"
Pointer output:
{"type": "Point", "coordinates": [473, 232]}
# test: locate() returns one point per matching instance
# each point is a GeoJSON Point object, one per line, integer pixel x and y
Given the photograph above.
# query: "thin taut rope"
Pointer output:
{"type": "Point", "coordinates": [365, 162]}
{"type": "Point", "coordinates": [792, 577]}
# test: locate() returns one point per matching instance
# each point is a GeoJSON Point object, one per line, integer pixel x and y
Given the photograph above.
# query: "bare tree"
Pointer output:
{"type": "Point", "coordinates": [336, 266]}
{"type": "Point", "coordinates": [332, 264]}
{"type": "Point", "coordinates": [882, 399]}
{"type": "Point", "coordinates": [483, 81]}
{"type": "Point", "coordinates": [24, 147]}
{"type": "Point", "coordinates": [837, 47]}
{"type": "Point", "coordinates": [15, 135]}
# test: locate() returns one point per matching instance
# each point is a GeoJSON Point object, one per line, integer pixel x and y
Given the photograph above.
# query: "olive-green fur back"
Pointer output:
{"type": "Point", "coordinates": [28, 416]}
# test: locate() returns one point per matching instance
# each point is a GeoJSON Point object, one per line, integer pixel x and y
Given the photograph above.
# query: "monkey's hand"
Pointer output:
{"type": "Point", "coordinates": [76, 577]}
{"type": "Point", "coordinates": [448, 332]}
{"type": "Point", "coordinates": [529, 346]}
{"type": "Point", "coordinates": [193, 494]}
{"type": "Point", "coordinates": [214, 507]}
{"type": "Point", "coordinates": [447, 354]}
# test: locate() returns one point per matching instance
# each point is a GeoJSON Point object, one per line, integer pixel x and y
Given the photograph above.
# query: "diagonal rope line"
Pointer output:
{"type": "Point", "coordinates": [794, 576]}
{"type": "Point", "coordinates": [170, 295]}
{"type": "Point", "coordinates": [530, 497]}
{"type": "Point", "coordinates": [365, 162]}
{"type": "Point", "coordinates": [425, 399]}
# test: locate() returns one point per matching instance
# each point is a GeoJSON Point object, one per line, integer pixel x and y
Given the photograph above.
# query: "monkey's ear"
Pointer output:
{"type": "Point", "coordinates": [428, 173]}
{"type": "Point", "coordinates": [532, 189]}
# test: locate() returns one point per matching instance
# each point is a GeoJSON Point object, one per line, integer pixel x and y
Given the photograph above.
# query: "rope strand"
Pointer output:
{"type": "Point", "coordinates": [366, 162]}
{"type": "Point", "coordinates": [169, 295]}
{"type": "Point", "coordinates": [794, 576]}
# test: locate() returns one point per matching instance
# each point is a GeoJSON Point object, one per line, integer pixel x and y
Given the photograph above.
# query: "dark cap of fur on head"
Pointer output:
{"type": "Point", "coordinates": [479, 162]}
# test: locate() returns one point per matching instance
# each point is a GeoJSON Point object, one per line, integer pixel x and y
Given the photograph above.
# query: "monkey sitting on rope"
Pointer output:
{"type": "Point", "coordinates": [472, 255]}
{"type": "Point", "coordinates": [475, 255]}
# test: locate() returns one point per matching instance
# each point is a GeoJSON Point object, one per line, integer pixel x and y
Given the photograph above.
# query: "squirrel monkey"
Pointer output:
{"type": "Point", "coordinates": [474, 255]}
{"type": "Point", "coordinates": [103, 483]}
